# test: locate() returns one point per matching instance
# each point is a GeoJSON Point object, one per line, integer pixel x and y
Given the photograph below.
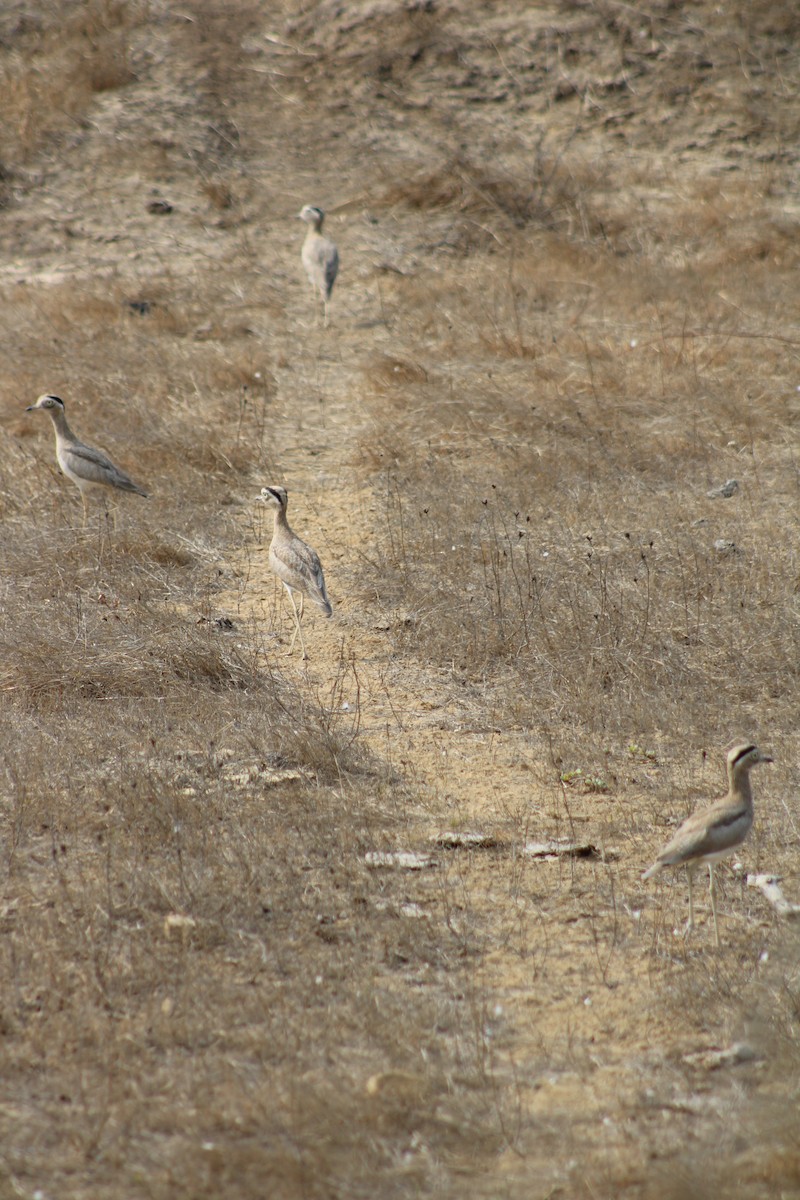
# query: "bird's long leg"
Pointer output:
{"type": "Point", "coordinates": [107, 524]}
{"type": "Point", "coordinates": [297, 624]}
{"type": "Point", "coordinates": [85, 508]}
{"type": "Point", "coordinates": [712, 891]}
{"type": "Point", "coordinates": [691, 900]}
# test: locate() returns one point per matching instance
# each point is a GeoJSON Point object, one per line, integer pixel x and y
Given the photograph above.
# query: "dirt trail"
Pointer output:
{"type": "Point", "coordinates": [567, 1009]}
{"type": "Point", "coordinates": [465, 774]}
{"type": "Point", "coordinates": [578, 1033]}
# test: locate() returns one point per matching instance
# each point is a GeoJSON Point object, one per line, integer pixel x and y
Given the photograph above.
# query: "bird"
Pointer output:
{"type": "Point", "coordinates": [296, 564]}
{"type": "Point", "coordinates": [319, 254]}
{"type": "Point", "coordinates": [714, 832]}
{"type": "Point", "coordinates": [85, 466]}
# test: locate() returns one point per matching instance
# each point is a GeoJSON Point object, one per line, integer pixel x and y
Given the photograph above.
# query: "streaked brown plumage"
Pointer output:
{"type": "Point", "coordinates": [713, 833]}
{"type": "Point", "coordinates": [295, 563]}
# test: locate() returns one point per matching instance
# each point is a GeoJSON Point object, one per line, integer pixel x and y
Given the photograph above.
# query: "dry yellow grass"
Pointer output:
{"type": "Point", "coordinates": [567, 311]}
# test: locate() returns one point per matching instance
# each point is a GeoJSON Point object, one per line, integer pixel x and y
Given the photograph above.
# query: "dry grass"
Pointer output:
{"type": "Point", "coordinates": [552, 195]}
{"type": "Point", "coordinates": [56, 60]}
{"type": "Point", "coordinates": [208, 986]}
{"type": "Point", "coordinates": [581, 560]}
{"type": "Point", "coordinates": [161, 855]}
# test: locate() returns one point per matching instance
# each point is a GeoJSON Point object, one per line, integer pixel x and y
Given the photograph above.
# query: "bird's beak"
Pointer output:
{"type": "Point", "coordinates": [767, 758]}
{"type": "Point", "coordinates": [30, 408]}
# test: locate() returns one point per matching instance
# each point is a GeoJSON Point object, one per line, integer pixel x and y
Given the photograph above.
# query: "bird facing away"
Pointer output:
{"type": "Point", "coordinates": [86, 467]}
{"type": "Point", "coordinates": [319, 254]}
{"type": "Point", "coordinates": [296, 564]}
{"type": "Point", "coordinates": [714, 832]}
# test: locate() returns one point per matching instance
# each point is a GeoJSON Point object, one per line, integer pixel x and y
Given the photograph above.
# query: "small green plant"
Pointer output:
{"type": "Point", "coordinates": [591, 783]}
{"type": "Point", "coordinates": [639, 752]}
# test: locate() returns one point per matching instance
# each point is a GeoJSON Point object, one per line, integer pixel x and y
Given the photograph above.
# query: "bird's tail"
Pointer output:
{"type": "Point", "coordinates": [128, 485]}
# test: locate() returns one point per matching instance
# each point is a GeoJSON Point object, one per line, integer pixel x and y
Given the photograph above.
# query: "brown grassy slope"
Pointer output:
{"type": "Point", "coordinates": [567, 295]}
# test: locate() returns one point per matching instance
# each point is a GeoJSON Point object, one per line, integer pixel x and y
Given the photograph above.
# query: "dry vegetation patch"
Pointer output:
{"type": "Point", "coordinates": [55, 61]}
{"type": "Point", "coordinates": [373, 925]}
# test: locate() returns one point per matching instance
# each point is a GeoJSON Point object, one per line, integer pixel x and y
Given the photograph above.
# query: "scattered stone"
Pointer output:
{"type": "Point", "coordinates": [402, 1086]}
{"type": "Point", "coordinates": [401, 860]}
{"type": "Point", "coordinates": [462, 839]}
{"type": "Point", "coordinates": [561, 848]}
{"type": "Point", "coordinates": [407, 909]}
{"type": "Point", "coordinates": [725, 546]}
{"type": "Point", "coordinates": [160, 208]}
{"type": "Point", "coordinates": [178, 923]}
{"type": "Point", "coordinates": [724, 491]}
{"type": "Point", "coordinates": [244, 775]}
{"type": "Point", "coordinates": [224, 623]}
{"type": "Point", "coordinates": [711, 1060]}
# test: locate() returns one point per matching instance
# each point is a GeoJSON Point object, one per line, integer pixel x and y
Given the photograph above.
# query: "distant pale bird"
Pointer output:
{"type": "Point", "coordinates": [319, 254]}
{"type": "Point", "coordinates": [86, 467]}
{"type": "Point", "coordinates": [713, 833]}
{"type": "Point", "coordinates": [296, 564]}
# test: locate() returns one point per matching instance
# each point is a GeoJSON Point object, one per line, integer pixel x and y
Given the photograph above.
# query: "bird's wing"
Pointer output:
{"type": "Point", "coordinates": [321, 259]}
{"type": "Point", "coordinates": [711, 831]}
{"type": "Point", "coordinates": [331, 267]}
{"type": "Point", "coordinates": [98, 468]}
{"type": "Point", "coordinates": [299, 568]}
{"type": "Point", "coordinates": [89, 459]}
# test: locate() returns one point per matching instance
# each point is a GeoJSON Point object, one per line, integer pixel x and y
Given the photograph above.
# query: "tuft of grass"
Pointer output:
{"type": "Point", "coordinates": [87, 50]}
{"type": "Point", "coordinates": [553, 194]}
{"type": "Point", "coordinates": [579, 567]}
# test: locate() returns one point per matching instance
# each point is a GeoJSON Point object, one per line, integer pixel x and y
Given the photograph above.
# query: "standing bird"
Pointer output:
{"type": "Point", "coordinates": [86, 467]}
{"type": "Point", "coordinates": [295, 563]}
{"type": "Point", "coordinates": [319, 254]}
{"type": "Point", "coordinates": [714, 832]}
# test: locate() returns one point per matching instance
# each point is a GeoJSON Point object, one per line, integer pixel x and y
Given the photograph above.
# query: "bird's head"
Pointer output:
{"type": "Point", "coordinates": [274, 497]}
{"type": "Point", "coordinates": [48, 402]}
{"type": "Point", "coordinates": [312, 215]}
{"type": "Point", "coordinates": [744, 755]}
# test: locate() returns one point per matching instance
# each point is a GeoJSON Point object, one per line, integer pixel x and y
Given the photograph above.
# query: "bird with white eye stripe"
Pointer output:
{"type": "Point", "coordinates": [715, 832]}
{"type": "Point", "coordinates": [319, 254]}
{"type": "Point", "coordinates": [86, 467]}
{"type": "Point", "coordinates": [295, 563]}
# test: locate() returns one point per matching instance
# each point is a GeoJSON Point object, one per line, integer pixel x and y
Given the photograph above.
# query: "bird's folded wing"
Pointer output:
{"type": "Point", "coordinates": [95, 466]}
{"type": "Point", "coordinates": [710, 831]}
{"type": "Point", "coordinates": [92, 458]}
{"type": "Point", "coordinates": [299, 567]}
